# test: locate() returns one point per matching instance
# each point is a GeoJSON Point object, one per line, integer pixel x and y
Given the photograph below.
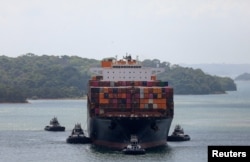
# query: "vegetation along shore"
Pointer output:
{"type": "Point", "coordinates": [54, 77]}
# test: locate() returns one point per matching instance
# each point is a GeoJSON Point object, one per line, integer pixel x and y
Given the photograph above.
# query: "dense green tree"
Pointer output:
{"type": "Point", "coordinates": [32, 76]}
{"type": "Point", "coordinates": [192, 81]}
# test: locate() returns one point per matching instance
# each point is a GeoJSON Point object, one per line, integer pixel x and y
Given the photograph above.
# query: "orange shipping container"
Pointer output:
{"type": "Point", "coordinates": [146, 90]}
{"type": "Point", "coordinates": [157, 101]}
{"type": "Point", "coordinates": [162, 101]}
{"type": "Point", "coordinates": [101, 95]}
{"type": "Point", "coordinates": [105, 90]}
{"type": "Point", "coordinates": [162, 106]}
{"type": "Point", "coordinates": [123, 95]}
{"type": "Point", "coordinates": [104, 101]}
{"type": "Point", "coordinates": [143, 100]}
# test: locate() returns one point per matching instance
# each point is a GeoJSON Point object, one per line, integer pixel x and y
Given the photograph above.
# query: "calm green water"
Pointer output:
{"type": "Point", "coordinates": [208, 119]}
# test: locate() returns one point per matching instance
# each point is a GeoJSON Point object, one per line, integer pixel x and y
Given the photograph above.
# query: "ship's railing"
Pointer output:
{"type": "Point", "coordinates": [116, 84]}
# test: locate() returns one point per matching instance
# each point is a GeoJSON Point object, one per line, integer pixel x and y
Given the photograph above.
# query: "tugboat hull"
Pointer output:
{"type": "Point", "coordinates": [78, 139]}
{"type": "Point", "coordinates": [179, 138]}
{"type": "Point", "coordinates": [54, 129]}
{"type": "Point", "coordinates": [133, 152]}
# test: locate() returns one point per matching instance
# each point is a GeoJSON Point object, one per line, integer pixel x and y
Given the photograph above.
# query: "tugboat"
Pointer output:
{"type": "Point", "coordinates": [54, 126]}
{"type": "Point", "coordinates": [134, 148]}
{"type": "Point", "coordinates": [77, 136]}
{"type": "Point", "coordinates": [178, 135]}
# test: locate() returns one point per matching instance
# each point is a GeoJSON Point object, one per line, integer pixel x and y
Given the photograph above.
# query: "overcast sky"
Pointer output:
{"type": "Point", "coordinates": [176, 31]}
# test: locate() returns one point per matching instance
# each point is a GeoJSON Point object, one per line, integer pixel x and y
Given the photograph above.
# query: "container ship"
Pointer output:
{"type": "Point", "coordinates": [126, 100]}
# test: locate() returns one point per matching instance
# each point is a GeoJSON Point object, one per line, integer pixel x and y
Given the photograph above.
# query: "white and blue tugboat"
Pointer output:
{"type": "Point", "coordinates": [134, 148]}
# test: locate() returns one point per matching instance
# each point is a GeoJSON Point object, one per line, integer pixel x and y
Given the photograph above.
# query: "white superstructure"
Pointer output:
{"type": "Point", "coordinates": [125, 70]}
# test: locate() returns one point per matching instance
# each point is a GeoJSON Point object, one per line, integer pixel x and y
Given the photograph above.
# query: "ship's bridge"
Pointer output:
{"type": "Point", "coordinates": [125, 70]}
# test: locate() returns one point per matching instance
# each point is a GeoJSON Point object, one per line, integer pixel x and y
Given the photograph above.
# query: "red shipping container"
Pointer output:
{"type": "Point", "coordinates": [123, 95]}
{"type": "Point", "coordinates": [149, 84]}
{"type": "Point", "coordinates": [119, 95]}
{"type": "Point", "coordinates": [97, 111]}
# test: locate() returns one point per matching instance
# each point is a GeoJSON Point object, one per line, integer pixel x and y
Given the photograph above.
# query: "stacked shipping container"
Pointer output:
{"type": "Point", "coordinates": [136, 95]}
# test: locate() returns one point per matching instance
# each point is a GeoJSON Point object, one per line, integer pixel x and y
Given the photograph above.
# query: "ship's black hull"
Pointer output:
{"type": "Point", "coordinates": [115, 132]}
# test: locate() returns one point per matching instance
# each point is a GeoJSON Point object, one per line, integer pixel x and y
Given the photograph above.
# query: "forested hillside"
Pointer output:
{"type": "Point", "coordinates": [51, 77]}
{"type": "Point", "coordinates": [31, 76]}
{"type": "Point", "coordinates": [192, 81]}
